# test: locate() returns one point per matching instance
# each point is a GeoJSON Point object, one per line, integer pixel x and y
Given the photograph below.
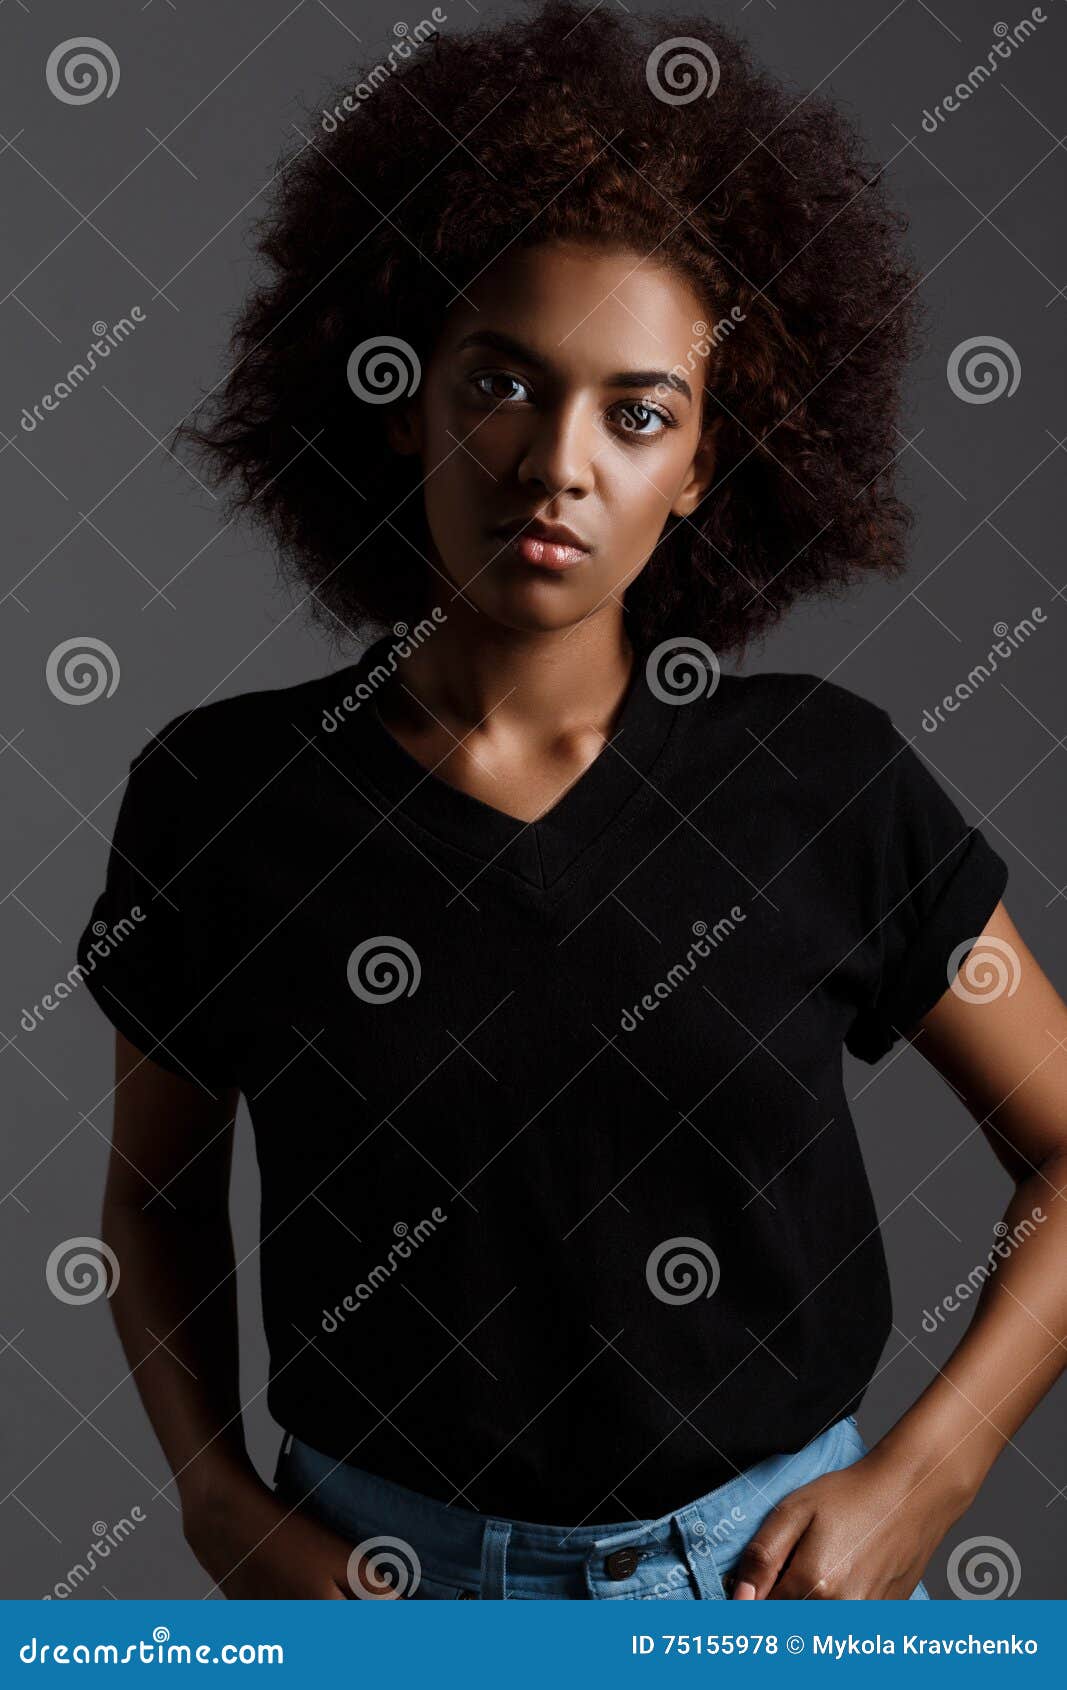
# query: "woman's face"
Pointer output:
{"type": "Point", "coordinates": [550, 396]}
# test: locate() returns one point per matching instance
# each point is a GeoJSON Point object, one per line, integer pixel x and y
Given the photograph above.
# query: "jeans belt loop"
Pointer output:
{"type": "Point", "coordinates": [699, 1554]}
{"type": "Point", "coordinates": [495, 1559]}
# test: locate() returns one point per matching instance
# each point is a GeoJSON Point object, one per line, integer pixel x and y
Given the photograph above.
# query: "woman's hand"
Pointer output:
{"type": "Point", "coordinates": [255, 1545]}
{"type": "Point", "coordinates": [865, 1532]}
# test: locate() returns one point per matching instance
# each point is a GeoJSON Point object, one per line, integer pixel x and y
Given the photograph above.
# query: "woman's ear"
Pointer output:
{"type": "Point", "coordinates": [403, 429]}
{"type": "Point", "coordinates": [701, 471]}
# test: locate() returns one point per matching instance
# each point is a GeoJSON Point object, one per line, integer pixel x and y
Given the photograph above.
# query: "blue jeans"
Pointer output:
{"type": "Point", "coordinates": [437, 1550]}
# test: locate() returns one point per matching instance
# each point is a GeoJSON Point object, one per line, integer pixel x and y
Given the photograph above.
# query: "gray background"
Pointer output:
{"type": "Point", "coordinates": [144, 199]}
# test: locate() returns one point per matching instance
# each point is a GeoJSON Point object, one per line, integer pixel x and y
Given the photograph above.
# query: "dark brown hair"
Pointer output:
{"type": "Point", "coordinates": [549, 127]}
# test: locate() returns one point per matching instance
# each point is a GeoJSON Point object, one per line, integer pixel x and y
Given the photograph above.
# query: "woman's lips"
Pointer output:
{"type": "Point", "coordinates": [545, 554]}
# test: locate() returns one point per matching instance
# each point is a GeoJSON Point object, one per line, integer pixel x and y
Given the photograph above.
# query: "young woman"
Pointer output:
{"type": "Point", "coordinates": [531, 938]}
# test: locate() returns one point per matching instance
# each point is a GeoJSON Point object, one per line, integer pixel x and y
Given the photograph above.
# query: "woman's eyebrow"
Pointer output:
{"type": "Point", "coordinates": [496, 341]}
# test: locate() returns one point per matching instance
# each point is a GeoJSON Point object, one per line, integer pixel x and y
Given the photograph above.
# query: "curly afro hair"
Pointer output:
{"type": "Point", "coordinates": [570, 125]}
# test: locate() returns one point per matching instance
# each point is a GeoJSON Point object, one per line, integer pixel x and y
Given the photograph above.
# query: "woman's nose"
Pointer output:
{"type": "Point", "coordinates": [561, 451]}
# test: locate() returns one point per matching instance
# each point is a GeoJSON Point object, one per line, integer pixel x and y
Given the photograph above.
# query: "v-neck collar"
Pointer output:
{"type": "Point", "coordinates": [538, 852]}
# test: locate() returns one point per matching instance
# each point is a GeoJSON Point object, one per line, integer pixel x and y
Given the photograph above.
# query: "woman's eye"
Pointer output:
{"type": "Point", "coordinates": [497, 376]}
{"type": "Point", "coordinates": [635, 417]}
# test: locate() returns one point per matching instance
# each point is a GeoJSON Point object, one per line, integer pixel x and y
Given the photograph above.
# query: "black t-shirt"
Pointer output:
{"type": "Point", "coordinates": [563, 1213]}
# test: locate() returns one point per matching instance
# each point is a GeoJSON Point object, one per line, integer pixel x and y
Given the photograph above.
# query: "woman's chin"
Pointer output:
{"type": "Point", "coordinates": [528, 604]}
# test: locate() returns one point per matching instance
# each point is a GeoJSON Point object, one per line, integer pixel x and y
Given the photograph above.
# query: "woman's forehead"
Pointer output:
{"type": "Point", "coordinates": [562, 305]}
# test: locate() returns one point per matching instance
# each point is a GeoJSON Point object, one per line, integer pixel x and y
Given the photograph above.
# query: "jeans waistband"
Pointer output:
{"type": "Point", "coordinates": [494, 1555]}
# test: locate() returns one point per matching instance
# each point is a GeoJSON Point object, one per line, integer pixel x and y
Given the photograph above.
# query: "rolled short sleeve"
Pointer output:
{"type": "Point", "coordinates": [941, 881]}
{"type": "Point", "coordinates": [141, 951]}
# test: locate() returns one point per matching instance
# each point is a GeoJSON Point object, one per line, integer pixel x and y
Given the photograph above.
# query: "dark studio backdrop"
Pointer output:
{"type": "Point", "coordinates": [141, 198]}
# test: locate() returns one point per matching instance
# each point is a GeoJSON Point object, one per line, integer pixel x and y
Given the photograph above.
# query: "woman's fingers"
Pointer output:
{"type": "Point", "coordinates": [765, 1554]}
{"type": "Point", "coordinates": [802, 1583]}
{"type": "Point", "coordinates": [366, 1583]}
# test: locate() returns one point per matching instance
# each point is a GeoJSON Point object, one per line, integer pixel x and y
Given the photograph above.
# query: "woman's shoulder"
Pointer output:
{"type": "Point", "coordinates": [213, 759]}
{"type": "Point", "coordinates": [261, 725]}
{"type": "Point", "coordinates": [825, 717]}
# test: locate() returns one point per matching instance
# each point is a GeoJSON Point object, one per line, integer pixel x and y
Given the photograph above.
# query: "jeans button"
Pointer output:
{"type": "Point", "coordinates": [621, 1563]}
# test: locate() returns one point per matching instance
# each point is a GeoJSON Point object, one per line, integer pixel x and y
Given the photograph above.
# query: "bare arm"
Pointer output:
{"type": "Point", "coordinates": [1008, 1060]}
{"type": "Point", "coordinates": [166, 1216]}
{"type": "Point", "coordinates": [869, 1530]}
